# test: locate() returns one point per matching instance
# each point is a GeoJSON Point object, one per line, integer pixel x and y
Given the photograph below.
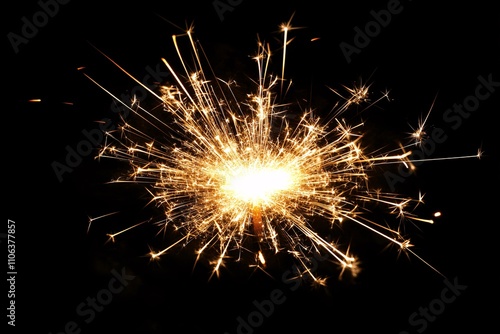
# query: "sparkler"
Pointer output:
{"type": "Point", "coordinates": [225, 171]}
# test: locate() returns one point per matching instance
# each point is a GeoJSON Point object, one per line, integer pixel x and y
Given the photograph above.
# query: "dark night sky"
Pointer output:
{"type": "Point", "coordinates": [425, 51]}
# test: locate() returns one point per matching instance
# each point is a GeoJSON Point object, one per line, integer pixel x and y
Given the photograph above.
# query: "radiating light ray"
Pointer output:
{"type": "Point", "coordinates": [475, 156]}
{"type": "Point", "coordinates": [113, 235]}
{"type": "Point", "coordinates": [91, 220]}
{"type": "Point", "coordinates": [419, 134]}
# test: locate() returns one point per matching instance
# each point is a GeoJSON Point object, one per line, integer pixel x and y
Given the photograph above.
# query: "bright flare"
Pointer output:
{"type": "Point", "coordinates": [258, 185]}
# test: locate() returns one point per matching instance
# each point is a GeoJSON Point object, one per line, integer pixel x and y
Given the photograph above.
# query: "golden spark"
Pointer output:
{"type": "Point", "coordinates": [225, 170]}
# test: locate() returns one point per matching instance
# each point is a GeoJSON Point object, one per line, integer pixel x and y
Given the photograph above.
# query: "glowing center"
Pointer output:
{"type": "Point", "coordinates": [258, 185]}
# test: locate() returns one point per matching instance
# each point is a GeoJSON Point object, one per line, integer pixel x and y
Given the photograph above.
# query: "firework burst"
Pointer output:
{"type": "Point", "coordinates": [225, 170]}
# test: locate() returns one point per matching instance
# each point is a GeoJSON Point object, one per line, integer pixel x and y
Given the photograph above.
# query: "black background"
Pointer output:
{"type": "Point", "coordinates": [426, 51]}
